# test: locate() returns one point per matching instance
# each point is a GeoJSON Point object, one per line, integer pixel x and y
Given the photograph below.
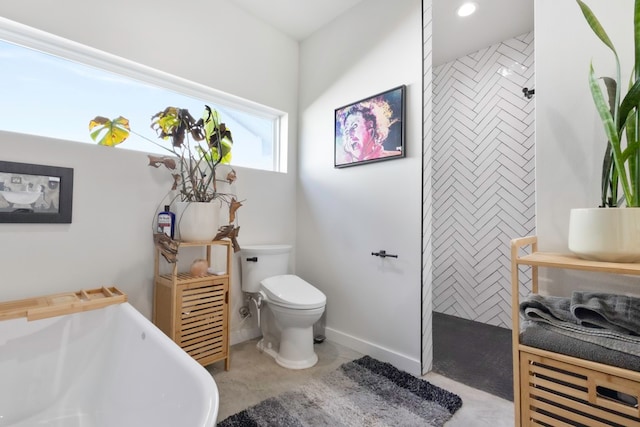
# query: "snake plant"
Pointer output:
{"type": "Point", "coordinates": [620, 117]}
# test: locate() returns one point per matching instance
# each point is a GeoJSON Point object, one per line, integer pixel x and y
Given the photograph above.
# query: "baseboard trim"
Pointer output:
{"type": "Point", "coordinates": [243, 335]}
{"type": "Point", "coordinates": [400, 361]}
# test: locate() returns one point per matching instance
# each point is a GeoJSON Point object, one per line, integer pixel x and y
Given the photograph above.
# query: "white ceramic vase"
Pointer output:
{"type": "Point", "coordinates": [197, 221]}
{"type": "Point", "coordinates": [605, 234]}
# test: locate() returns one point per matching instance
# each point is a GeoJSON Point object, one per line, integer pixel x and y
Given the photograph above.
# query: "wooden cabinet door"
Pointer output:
{"type": "Point", "coordinates": [202, 319]}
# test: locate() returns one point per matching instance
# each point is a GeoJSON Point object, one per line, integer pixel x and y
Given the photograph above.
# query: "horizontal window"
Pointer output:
{"type": "Point", "coordinates": [53, 87]}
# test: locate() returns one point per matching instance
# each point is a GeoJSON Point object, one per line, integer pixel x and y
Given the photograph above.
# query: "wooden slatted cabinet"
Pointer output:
{"type": "Point", "coordinates": [194, 311]}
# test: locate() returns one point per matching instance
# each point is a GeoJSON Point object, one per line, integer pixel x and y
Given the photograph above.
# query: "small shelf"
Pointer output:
{"type": "Point", "coordinates": [572, 262]}
{"type": "Point", "coordinates": [202, 243]}
{"type": "Point", "coordinates": [187, 277]}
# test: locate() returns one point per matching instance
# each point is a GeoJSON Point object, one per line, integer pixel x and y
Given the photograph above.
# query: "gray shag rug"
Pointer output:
{"type": "Point", "coordinates": [364, 392]}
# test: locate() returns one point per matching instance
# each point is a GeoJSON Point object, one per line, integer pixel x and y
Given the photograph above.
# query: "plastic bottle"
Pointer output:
{"type": "Point", "coordinates": [166, 222]}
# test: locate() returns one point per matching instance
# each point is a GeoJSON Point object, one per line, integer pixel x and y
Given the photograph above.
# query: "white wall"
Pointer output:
{"type": "Point", "coordinates": [116, 193]}
{"type": "Point", "coordinates": [345, 214]}
{"type": "Point", "coordinates": [570, 141]}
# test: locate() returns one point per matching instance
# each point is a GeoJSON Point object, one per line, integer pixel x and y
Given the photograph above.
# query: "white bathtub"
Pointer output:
{"type": "Point", "coordinates": [109, 367]}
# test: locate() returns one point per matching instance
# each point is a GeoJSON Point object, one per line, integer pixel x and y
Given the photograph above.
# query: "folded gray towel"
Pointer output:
{"type": "Point", "coordinates": [555, 311]}
{"type": "Point", "coordinates": [548, 337]}
{"type": "Point", "coordinates": [549, 306]}
{"type": "Point", "coordinates": [620, 313]}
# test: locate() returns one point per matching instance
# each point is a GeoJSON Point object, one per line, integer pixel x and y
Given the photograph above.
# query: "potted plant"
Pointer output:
{"type": "Point", "coordinates": [197, 148]}
{"type": "Point", "coordinates": [613, 234]}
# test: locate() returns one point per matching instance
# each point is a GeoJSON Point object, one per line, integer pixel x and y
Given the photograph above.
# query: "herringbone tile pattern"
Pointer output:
{"type": "Point", "coordinates": [482, 177]}
{"type": "Point", "coordinates": [427, 265]}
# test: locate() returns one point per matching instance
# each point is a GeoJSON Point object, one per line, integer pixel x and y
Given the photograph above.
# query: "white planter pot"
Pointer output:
{"type": "Point", "coordinates": [197, 221]}
{"type": "Point", "coordinates": [605, 234]}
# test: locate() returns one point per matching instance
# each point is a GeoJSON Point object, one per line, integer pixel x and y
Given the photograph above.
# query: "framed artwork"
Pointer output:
{"type": "Point", "coordinates": [370, 130]}
{"type": "Point", "coordinates": [35, 193]}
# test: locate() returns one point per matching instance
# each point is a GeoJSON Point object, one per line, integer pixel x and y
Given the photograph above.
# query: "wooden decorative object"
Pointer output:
{"type": "Point", "coordinates": [229, 232]}
{"type": "Point", "coordinates": [167, 246]}
{"type": "Point", "coordinates": [61, 304]}
{"type": "Point", "coordinates": [557, 389]}
{"type": "Point", "coordinates": [233, 207]}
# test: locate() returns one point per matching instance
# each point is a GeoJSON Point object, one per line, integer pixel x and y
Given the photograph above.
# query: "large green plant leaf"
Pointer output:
{"type": "Point", "coordinates": [109, 132]}
{"type": "Point", "coordinates": [630, 102]}
{"type": "Point", "coordinates": [611, 132]}
{"type": "Point", "coordinates": [602, 35]}
{"type": "Point", "coordinates": [606, 180]}
{"type": "Point", "coordinates": [595, 25]}
{"type": "Point", "coordinates": [632, 131]}
{"type": "Point", "coordinates": [174, 123]}
{"type": "Point", "coordinates": [636, 38]}
{"type": "Point", "coordinates": [627, 126]}
{"type": "Point", "coordinates": [608, 189]}
{"type": "Point", "coordinates": [218, 137]}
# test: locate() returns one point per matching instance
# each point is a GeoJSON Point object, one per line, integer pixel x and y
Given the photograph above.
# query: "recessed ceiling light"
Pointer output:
{"type": "Point", "coordinates": [467, 9]}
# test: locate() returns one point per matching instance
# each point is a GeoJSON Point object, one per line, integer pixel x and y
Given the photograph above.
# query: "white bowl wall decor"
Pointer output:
{"type": "Point", "coordinates": [605, 234]}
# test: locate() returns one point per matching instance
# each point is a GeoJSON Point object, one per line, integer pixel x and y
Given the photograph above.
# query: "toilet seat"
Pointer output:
{"type": "Point", "coordinates": [291, 291]}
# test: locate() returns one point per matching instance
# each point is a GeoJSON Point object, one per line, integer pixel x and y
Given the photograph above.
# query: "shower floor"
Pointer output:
{"type": "Point", "coordinates": [473, 353]}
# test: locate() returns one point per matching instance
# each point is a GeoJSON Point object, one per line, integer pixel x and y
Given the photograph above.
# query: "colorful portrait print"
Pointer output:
{"type": "Point", "coordinates": [371, 129]}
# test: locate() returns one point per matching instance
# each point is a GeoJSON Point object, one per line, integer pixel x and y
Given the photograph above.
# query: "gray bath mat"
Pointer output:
{"type": "Point", "coordinates": [364, 392]}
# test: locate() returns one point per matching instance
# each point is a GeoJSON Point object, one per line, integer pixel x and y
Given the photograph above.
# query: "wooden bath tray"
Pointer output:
{"type": "Point", "coordinates": [61, 304]}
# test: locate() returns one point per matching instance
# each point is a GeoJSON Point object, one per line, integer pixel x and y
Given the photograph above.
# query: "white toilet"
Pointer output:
{"type": "Point", "coordinates": [290, 306]}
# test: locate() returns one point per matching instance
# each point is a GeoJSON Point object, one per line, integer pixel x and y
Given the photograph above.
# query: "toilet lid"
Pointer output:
{"type": "Point", "coordinates": [292, 291]}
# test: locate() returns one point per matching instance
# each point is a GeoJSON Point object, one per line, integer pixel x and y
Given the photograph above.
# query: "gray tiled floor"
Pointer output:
{"type": "Point", "coordinates": [255, 376]}
{"type": "Point", "coordinates": [488, 367]}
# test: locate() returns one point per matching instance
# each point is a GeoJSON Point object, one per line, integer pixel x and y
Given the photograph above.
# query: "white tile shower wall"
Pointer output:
{"type": "Point", "coordinates": [427, 124]}
{"type": "Point", "coordinates": [483, 177]}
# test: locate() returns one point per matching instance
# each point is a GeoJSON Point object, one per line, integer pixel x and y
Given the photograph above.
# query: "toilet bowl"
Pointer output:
{"type": "Point", "coordinates": [293, 305]}
{"type": "Point", "coordinates": [296, 306]}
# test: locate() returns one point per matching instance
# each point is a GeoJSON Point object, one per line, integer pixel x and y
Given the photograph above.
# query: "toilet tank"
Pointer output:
{"type": "Point", "coordinates": [261, 261]}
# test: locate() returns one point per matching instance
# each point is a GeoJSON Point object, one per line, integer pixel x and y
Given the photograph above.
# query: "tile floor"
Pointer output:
{"type": "Point", "coordinates": [488, 366]}
{"type": "Point", "coordinates": [255, 376]}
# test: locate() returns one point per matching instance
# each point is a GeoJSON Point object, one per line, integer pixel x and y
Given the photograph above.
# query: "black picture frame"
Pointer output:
{"type": "Point", "coordinates": [32, 193]}
{"type": "Point", "coordinates": [371, 129]}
